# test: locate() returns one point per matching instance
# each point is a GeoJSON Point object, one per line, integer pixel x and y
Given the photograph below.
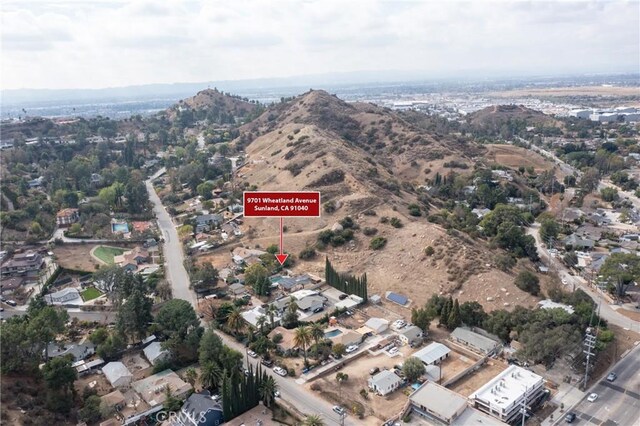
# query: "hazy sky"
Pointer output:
{"type": "Point", "coordinates": [73, 44]}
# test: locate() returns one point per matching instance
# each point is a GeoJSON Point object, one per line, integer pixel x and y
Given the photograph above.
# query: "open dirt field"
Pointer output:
{"type": "Point", "coordinates": [634, 315]}
{"type": "Point", "coordinates": [606, 91]}
{"type": "Point", "coordinates": [76, 256]}
{"type": "Point", "coordinates": [514, 157]}
{"type": "Point", "coordinates": [474, 381]}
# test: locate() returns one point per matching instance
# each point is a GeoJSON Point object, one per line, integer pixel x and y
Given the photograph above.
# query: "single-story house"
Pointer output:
{"type": "Point", "coordinates": [199, 410]}
{"type": "Point", "coordinates": [377, 325]}
{"type": "Point", "coordinates": [117, 374]}
{"type": "Point", "coordinates": [113, 400]}
{"type": "Point", "coordinates": [410, 335]}
{"type": "Point", "coordinates": [155, 354]}
{"type": "Point", "coordinates": [237, 289]}
{"type": "Point", "coordinates": [433, 353]}
{"type": "Point", "coordinates": [239, 254]}
{"type": "Point", "coordinates": [475, 341]}
{"type": "Point", "coordinates": [9, 285]}
{"type": "Point", "coordinates": [311, 303]}
{"type": "Point", "coordinates": [288, 338]}
{"type": "Point", "coordinates": [578, 243]}
{"type": "Point", "coordinates": [437, 402]}
{"type": "Point", "coordinates": [207, 222]}
{"type": "Point", "coordinates": [385, 382]}
{"type": "Point", "coordinates": [79, 351]}
{"type": "Point", "coordinates": [66, 295]}
{"type": "Point", "coordinates": [152, 388]}
{"type": "Point", "coordinates": [348, 338]}
{"type": "Point", "coordinates": [253, 315]}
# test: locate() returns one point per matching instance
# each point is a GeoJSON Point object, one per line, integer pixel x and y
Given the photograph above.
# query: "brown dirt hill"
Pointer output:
{"type": "Point", "coordinates": [217, 102]}
{"type": "Point", "coordinates": [494, 117]}
{"type": "Point", "coordinates": [364, 158]}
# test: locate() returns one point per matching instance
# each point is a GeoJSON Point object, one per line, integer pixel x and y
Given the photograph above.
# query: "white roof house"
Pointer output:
{"type": "Point", "coordinates": [378, 325]}
{"type": "Point", "coordinates": [154, 353]}
{"type": "Point", "coordinates": [385, 382]}
{"type": "Point", "coordinates": [503, 395]}
{"type": "Point", "coordinates": [117, 374]}
{"type": "Point", "coordinates": [433, 353]}
{"type": "Point", "coordinates": [66, 295]}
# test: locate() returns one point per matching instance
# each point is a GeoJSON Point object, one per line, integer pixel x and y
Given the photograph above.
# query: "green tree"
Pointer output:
{"type": "Point", "coordinates": [178, 322]}
{"type": "Point", "coordinates": [609, 194]}
{"type": "Point", "coordinates": [134, 315]}
{"type": "Point", "coordinates": [620, 270]}
{"type": "Point", "coordinates": [472, 314]}
{"type": "Point", "coordinates": [59, 377]}
{"type": "Point", "coordinates": [205, 190]}
{"type": "Point", "coordinates": [313, 420]}
{"type": "Point", "coordinates": [549, 229]}
{"type": "Point", "coordinates": [338, 349]}
{"type": "Point", "coordinates": [268, 389]}
{"type": "Point", "coordinates": [453, 320]}
{"type": "Point", "coordinates": [301, 339]}
{"type": "Point", "coordinates": [421, 318]}
{"type": "Point", "coordinates": [191, 376]}
{"type": "Point", "coordinates": [211, 376]}
{"type": "Point", "coordinates": [529, 282]}
{"type": "Point", "coordinates": [316, 332]}
{"type": "Point", "coordinates": [235, 320]}
{"type": "Point", "coordinates": [377, 243]}
{"type": "Point", "coordinates": [413, 369]}
{"type": "Point", "coordinates": [90, 411]}
{"type": "Point", "coordinates": [255, 276]}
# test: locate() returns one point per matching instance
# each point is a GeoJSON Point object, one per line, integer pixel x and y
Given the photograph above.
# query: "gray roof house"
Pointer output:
{"type": "Point", "coordinates": [310, 303]}
{"type": "Point", "coordinates": [410, 335]}
{"type": "Point", "coordinates": [433, 401]}
{"type": "Point", "coordinates": [66, 295]}
{"type": "Point", "coordinates": [433, 354]}
{"type": "Point", "coordinates": [385, 382]}
{"type": "Point", "coordinates": [79, 351]}
{"type": "Point", "coordinates": [576, 242]}
{"type": "Point", "coordinates": [207, 222]}
{"type": "Point", "coordinates": [117, 374]}
{"type": "Point", "coordinates": [474, 341]}
{"type": "Point", "coordinates": [155, 354]}
{"type": "Point", "coordinates": [200, 409]}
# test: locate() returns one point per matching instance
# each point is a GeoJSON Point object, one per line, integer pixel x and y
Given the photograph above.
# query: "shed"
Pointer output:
{"type": "Point", "coordinates": [117, 374]}
{"type": "Point", "coordinates": [237, 288]}
{"type": "Point", "coordinates": [433, 353]}
{"type": "Point", "coordinates": [375, 299]}
{"type": "Point", "coordinates": [377, 325]}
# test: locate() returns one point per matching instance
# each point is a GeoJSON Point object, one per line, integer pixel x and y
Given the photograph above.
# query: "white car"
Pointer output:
{"type": "Point", "coordinates": [393, 350]}
{"type": "Point", "coordinates": [351, 348]}
{"type": "Point", "coordinates": [592, 397]}
{"type": "Point", "coordinates": [280, 371]}
{"type": "Point", "coordinates": [252, 354]}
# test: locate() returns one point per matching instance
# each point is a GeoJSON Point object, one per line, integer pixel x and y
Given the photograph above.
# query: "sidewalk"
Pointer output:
{"type": "Point", "coordinates": [568, 395]}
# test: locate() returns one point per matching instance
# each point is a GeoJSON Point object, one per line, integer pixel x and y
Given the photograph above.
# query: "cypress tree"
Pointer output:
{"type": "Point", "coordinates": [444, 314]}
{"type": "Point", "coordinates": [454, 316]}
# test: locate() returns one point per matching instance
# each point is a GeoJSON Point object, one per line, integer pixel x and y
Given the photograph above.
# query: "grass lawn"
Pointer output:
{"type": "Point", "coordinates": [106, 253]}
{"type": "Point", "coordinates": [90, 294]}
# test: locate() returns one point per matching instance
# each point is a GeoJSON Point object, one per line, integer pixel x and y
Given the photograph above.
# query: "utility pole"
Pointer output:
{"type": "Point", "coordinates": [589, 344]}
{"type": "Point", "coordinates": [523, 410]}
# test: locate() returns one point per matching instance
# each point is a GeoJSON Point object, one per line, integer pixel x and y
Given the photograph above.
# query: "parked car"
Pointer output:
{"type": "Point", "coordinates": [374, 370]}
{"type": "Point", "coordinates": [343, 296]}
{"type": "Point", "coordinates": [11, 303]}
{"type": "Point", "coordinates": [569, 418]}
{"type": "Point", "coordinates": [318, 309]}
{"type": "Point", "coordinates": [252, 354]}
{"type": "Point", "coordinates": [276, 394]}
{"type": "Point", "coordinates": [280, 371]}
{"type": "Point", "coordinates": [338, 409]}
{"type": "Point", "coordinates": [267, 362]}
{"type": "Point", "coordinates": [393, 350]}
{"type": "Point", "coordinates": [592, 397]}
{"type": "Point", "coordinates": [612, 377]}
{"type": "Point", "coordinates": [351, 348]}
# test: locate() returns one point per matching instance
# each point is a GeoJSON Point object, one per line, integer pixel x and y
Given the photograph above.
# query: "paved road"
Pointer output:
{"type": "Point", "coordinates": [572, 282]}
{"type": "Point", "coordinates": [101, 317]}
{"type": "Point", "coordinates": [173, 255]}
{"type": "Point", "coordinates": [618, 403]}
{"type": "Point", "coordinates": [304, 400]}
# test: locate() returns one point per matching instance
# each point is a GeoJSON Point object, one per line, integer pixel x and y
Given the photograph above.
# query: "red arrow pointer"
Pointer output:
{"type": "Point", "coordinates": [281, 257]}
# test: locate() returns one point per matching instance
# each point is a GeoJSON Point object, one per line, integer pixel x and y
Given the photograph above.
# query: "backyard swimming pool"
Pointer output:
{"type": "Point", "coordinates": [120, 227]}
{"type": "Point", "coordinates": [332, 333]}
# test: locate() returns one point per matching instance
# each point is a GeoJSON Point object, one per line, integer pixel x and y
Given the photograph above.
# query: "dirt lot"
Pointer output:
{"type": "Point", "coordinates": [634, 315]}
{"type": "Point", "coordinates": [76, 257]}
{"type": "Point", "coordinates": [138, 365]}
{"type": "Point", "coordinates": [473, 382]}
{"type": "Point", "coordinates": [572, 91]}
{"type": "Point", "coordinates": [378, 406]}
{"type": "Point", "coordinates": [101, 386]}
{"type": "Point", "coordinates": [514, 157]}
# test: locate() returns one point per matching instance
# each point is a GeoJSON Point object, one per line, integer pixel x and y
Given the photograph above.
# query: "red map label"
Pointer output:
{"type": "Point", "coordinates": [281, 204]}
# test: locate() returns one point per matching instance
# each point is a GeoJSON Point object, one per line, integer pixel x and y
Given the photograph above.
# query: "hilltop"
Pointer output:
{"type": "Point", "coordinates": [218, 107]}
{"type": "Point", "coordinates": [505, 120]}
{"type": "Point", "coordinates": [372, 165]}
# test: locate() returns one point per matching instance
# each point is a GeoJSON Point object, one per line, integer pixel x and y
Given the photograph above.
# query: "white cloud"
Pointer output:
{"type": "Point", "coordinates": [59, 44]}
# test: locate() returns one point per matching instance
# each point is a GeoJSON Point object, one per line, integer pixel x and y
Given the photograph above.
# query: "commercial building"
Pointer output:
{"type": "Point", "coordinates": [437, 402]}
{"type": "Point", "coordinates": [502, 397]}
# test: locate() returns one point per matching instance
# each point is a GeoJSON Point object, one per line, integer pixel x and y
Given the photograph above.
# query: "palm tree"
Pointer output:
{"type": "Point", "coordinates": [271, 311]}
{"type": "Point", "coordinates": [341, 378]}
{"type": "Point", "coordinates": [234, 320]}
{"type": "Point", "coordinates": [317, 332]}
{"type": "Point", "coordinates": [191, 376]}
{"type": "Point", "coordinates": [261, 322]}
{"type": "Point", "coordinates": [302, 338]}
{"type": "Point", "coordinates": [313, 420]}
{"type": "Point", "coordinates": [268, 389]}
{"type": "Point", "coordinates": [293, 305]}
{"type": "Point", "coordinates": [211, 376]}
